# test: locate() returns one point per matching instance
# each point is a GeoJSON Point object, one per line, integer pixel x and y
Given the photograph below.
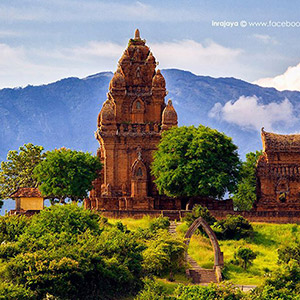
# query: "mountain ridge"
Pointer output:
{"type": "Point", "coordinates": [64, 112]}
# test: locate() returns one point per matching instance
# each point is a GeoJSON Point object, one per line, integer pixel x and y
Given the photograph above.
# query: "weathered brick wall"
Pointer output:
{"type": "Point", "coordinates": [262, 216]}
{"type": "Point", "coordinates": [280, 217]}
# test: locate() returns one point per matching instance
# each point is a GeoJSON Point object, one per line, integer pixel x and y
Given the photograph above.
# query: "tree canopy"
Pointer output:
{"type": "Point", "coordinates": [245, 194]}
{"type": "Point", "coordinates": [17, 171]}
{"type": "Point", "coordinates": [194, 161]}
{"type": "Point", "coordinates": [67, 173]}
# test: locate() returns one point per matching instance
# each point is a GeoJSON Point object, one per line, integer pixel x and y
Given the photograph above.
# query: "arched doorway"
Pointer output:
{"type": "Point", "coordinates": [218, 255]}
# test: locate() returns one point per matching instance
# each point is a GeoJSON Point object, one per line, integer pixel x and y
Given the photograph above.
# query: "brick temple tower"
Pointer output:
{"type": "Point", "coordinates": [130, 124]}
{"type": "Point", "coordinates": [278, 173]}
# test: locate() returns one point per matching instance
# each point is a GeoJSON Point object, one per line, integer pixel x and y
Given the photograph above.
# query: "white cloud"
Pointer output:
{"type": "Point", "coordinates": [250, 113]}
{"type": "Point", "coordinates": [266, 39]}
{"type": "Point", "coordinates": [20, 66]}
{"type": "Point", "coordinates": [289, 80]}
{"type": "Point", "coordinates": [207, 58]}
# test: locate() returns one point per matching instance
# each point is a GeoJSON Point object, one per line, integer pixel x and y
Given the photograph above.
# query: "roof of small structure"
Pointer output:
{"type": "Point", "coordinates": [27, 193]}
{"type": "Point", "coordinates": [280, 142]}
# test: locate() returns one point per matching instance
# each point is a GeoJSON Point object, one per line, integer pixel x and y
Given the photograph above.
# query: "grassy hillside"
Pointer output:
{"type": "Point", "coordinates": [266, 240]}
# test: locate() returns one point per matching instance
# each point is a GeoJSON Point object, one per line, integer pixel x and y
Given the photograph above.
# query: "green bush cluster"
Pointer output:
{"type": "Point", "coordinates": [233, 227]}
{"type": "Point", "coordinates": [159, 223]}
{"type": "Point", "coordinates": [199, 211]}
{"type": "Point", "coordinates": [244, 257]}
{"type": "Point", "coordinates": [66, 252]}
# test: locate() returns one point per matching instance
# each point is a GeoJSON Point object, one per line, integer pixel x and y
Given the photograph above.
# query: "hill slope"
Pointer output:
{"type": "Point", "coordinates": [64, 113]}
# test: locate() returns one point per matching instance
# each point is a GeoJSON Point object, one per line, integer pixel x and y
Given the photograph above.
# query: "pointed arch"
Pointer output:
{"type": "Point", "coordinates": [139, 170]}
{"type": "Point", "coordinates": [218, 255]}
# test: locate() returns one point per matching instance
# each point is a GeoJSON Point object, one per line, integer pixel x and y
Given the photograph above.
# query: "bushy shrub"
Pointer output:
{"type": "Point", "coordinates": [245, 256]}
{"type": "Point", "coordinates": [224, 291]}
{"type": "Point", "coordinates": [64, 253]}
{"type": "Point", "coordinates": [11, 227]}
{"type": "Point", "coordinates": [8, 249]}
{"type": "Point", "coordinates": [288, 253]}
{"type": "Point", "coordinates": [233, 227]}
{"type": "Point", "coordinates": [199, 211]}
{"type": "Point", "coordinates": [11, 291]}
{"type": "Point", "coordinates": [70, 219]}
{"type": "Point", "coordinates": [284, 283]}
{"type": "Point", "coordinates": [164, 255]}
{"type": "Point", "coordinates": [152, 291]}
{"type": "Point", "coordinates": [159, 223]}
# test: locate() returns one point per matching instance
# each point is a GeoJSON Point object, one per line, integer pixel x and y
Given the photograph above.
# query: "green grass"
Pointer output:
{"type": "Point", "coordinates": [265, 242]}
{"type": "Point", "coordinates": [133, 224]}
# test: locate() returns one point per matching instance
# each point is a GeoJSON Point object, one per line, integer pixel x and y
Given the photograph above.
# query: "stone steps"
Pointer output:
{"type": "Point", "coordinates": [198, 274]}
{"type": "Point", "coordinates": [195, 272]}
{"type": "Point", "coordinates": [172, 227]}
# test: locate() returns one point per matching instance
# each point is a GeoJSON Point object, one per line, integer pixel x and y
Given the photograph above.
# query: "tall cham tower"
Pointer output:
{"type": "Point", "coordinates": [130, 124]}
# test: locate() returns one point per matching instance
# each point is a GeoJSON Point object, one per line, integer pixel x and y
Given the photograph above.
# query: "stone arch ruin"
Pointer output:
{"type": "Point", "coordinates": [218, 255]}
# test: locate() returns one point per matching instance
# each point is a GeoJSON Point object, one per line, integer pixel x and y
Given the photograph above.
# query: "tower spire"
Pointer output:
{"type": "Point", "coordinates": [137, 35]}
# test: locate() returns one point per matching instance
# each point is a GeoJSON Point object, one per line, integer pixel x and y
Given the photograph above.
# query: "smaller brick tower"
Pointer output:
{"type": "Point", "coordinates": [130, 124]}
{"type": "Point", "coordinates": [278, 173]}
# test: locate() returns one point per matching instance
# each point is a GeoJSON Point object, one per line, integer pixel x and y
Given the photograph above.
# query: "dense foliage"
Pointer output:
{"type": "Point", "coordinates": [67, 173]}
{"type": "Point", "coordinates": [245, 256]}
{"type": "Point", "coordinates": [67, 252]}
{"type": "Point", "coordinates": [224, 291]}
{"type": "Point", "coordinates": [194, 161]}
{"type": "Point", "coordinates": [199, 211]}
{"type": "Point", "coordinates": [245, 194]}
{"type": "Point", "coordinates": [17, 171]}
{"type": "Point", "coordinates": [11, 227]}
{"type": "Point", "coordinates": [288, 253]}
{"type": "Point", "coordinates": [164, 255]}
{"type": "Point", "coordinates": [233, 227]}
{"type": "Point", "coordinates": [284, 284]}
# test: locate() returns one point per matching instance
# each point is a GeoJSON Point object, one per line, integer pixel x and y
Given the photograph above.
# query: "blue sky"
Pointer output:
{"type": "Point", "coordinates": [43, 41]}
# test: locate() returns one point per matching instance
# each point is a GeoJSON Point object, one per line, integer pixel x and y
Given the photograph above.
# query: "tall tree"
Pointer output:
{"type": "Point", "coordinates": [17, 171]}
{"type": "Point", "coordinates": [245, 194]}
{"type": "Point", "coordinates": [194, 161]}
{"type": "Point", "coordinates": [67, 173]}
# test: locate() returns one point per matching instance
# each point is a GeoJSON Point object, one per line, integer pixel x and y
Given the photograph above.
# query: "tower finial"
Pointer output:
{"type": "Point", "coordinates": [137, 34]}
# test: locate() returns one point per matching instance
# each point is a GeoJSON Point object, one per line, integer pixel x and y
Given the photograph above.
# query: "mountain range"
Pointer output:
{"type": "Point", "coordinates": [64, 113]}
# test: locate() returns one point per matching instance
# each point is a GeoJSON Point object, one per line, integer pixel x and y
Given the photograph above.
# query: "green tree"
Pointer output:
{"type": "Point", "coordinates": [17, 171]}
{"type": "Point", "coordinates": [245, 256]}
{"type": "Point", "coordinates": [245, 194]}
{"type": "Point", "coordinates": [67, 173]}
{"type": "Point", "coordinates": [194, 161]}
